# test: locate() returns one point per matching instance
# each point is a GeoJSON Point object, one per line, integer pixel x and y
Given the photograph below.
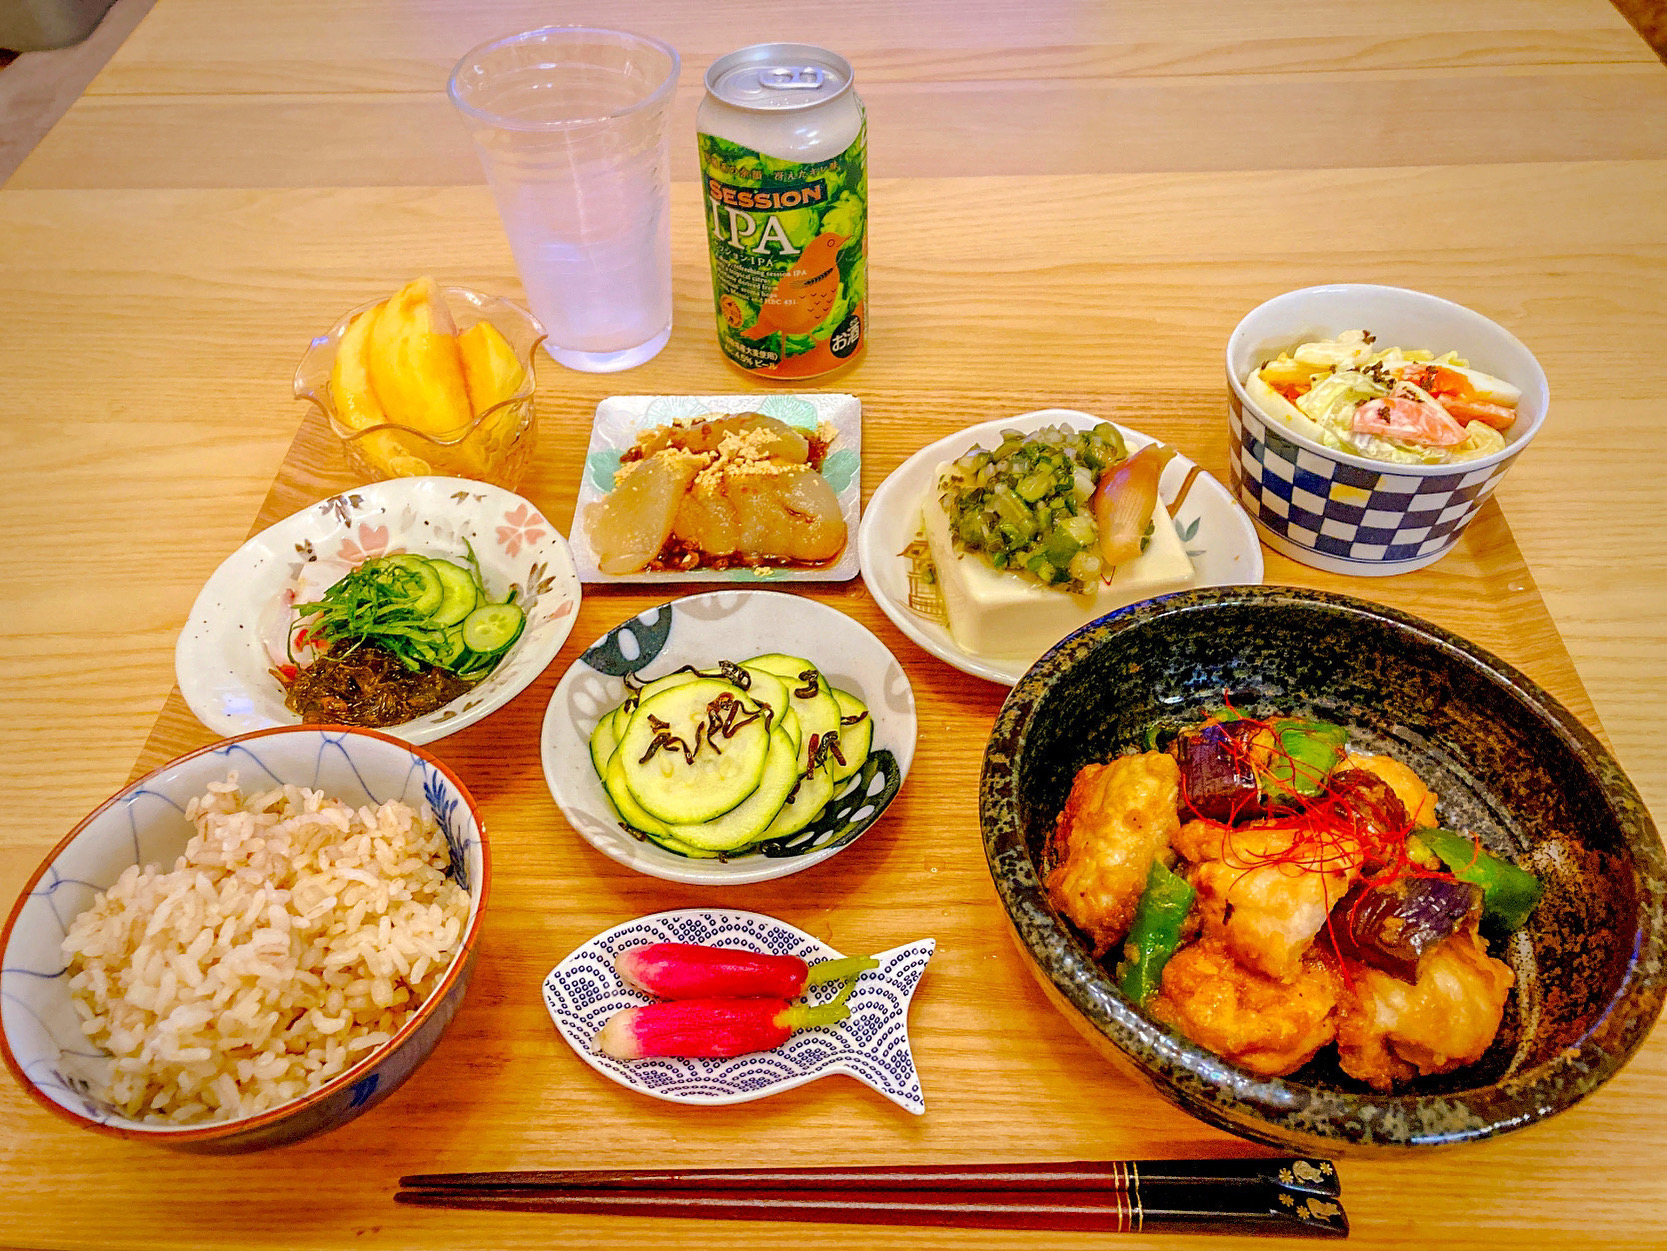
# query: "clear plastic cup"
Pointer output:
{"type": "Point", "coordinates": [570, 125]}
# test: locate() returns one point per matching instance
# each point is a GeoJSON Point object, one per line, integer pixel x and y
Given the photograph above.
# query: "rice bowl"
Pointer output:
{"type": "Point", "coordinates": [407, 882]}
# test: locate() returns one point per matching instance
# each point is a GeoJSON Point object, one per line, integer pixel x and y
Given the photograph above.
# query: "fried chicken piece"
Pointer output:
{"type": "Point", "coordinates": [1267, 1025]}
{"type": "Point", "coordinates": [1388, 1030]}
{"type": "Point", "coordinates": [1418, 799]}
{"type": "Point", "coordinates": [1119, 817]}
{"type": "Point", "coordinates": [1264, 894]}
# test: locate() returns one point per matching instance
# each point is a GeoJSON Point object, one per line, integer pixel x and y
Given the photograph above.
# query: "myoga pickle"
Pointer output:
{"type": "Point", "coordinates": [784, 162]}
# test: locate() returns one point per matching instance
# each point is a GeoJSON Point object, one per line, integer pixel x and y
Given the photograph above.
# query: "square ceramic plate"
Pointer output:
{"type": "Point", "coordinates": [620, 418]}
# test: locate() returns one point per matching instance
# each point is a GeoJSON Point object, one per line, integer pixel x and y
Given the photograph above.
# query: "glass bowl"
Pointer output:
{"type": "Point", "coordinates": [495, 447]}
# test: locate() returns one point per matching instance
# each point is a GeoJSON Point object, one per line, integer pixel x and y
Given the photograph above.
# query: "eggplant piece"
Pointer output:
{"type": "Point", "coordinates": [1218, 781]}
{"type": "Point", "coordinates": [1394, 927]}
{"type": "Point", "coordinates": [1368, 803]}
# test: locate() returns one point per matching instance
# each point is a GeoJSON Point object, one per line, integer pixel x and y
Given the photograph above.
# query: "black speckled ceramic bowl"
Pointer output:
{"type": "Point", "coordinates": [1508, 762]}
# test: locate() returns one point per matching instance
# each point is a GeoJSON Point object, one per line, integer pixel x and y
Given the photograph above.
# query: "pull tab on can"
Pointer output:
{"type": "Point", "coordinates": [802, 78]}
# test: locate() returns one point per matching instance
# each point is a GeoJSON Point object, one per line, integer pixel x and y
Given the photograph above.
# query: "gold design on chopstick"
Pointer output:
{"type": "Point", "coordinates": [1134, 1196]}
{"type": "Point", "coordinates": [1287, 1200]}
{"type": "Point", "coordinates": [924, 597]}
{"type": "Point", "coordinates": [1308, 1172]}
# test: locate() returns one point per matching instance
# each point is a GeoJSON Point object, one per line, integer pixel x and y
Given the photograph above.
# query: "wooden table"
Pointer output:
{"type": "Point", "coordinates": [1074, 202]}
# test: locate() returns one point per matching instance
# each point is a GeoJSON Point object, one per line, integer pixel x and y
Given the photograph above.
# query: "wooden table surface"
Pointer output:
{"type": "Point", "coordinates": [1073, 204]}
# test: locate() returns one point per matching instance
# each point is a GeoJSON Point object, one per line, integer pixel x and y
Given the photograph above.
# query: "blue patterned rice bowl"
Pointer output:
{"type": "Point", "coordinates": [43, 1043]}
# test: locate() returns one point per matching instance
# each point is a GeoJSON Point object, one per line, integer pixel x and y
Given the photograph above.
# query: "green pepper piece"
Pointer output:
{"type": "Point", "coordinates": [1508, 893]}
{"type": "Point", "coordinates": [1156, 932]}
{"type": "Point", "coordinates": [1309, 751]}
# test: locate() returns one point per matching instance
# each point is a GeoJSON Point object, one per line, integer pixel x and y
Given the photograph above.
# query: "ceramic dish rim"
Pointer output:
{"type": "Point", "coordinates": [1390, 468]}
{"type": "Point", "coordinates": [775, 575]}
{"type": "Point", "coordinates": [987, 668]}
{"type": "Point", "coordinates": [1511, 1102]}
{"type": "Point", "coordinates": [839, 1069]}
{"type": "Point", "coordinates": [259, 1120]}
{"type": "Point", "coordinates": [190, 685]}
{"type": "Point", "coordinates": [744, 870]}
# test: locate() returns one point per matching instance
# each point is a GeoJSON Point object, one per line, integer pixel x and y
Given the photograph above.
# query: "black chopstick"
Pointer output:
{"type": "Point", "coordinates": [1269, 1196]}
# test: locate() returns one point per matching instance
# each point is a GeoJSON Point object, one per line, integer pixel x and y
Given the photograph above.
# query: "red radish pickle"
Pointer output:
{"type": "Point", "coordinates": [712, 1028]}
{"type": "Point", "coordinates": [690, 971]}
{"type": "Point", "coordinates": [1124, 500]}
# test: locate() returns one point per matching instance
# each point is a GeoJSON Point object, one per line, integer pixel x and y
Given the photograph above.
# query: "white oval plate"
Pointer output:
{"type": "Point", "coordinates": [700, 630]}
{"type": "Point", "coordinates": [1218, 536]}
{"type": "Point", "coordinates": [236, 631]}
{"type": "Point", "coordinates": [620, 418]}
{"type": "Point", "coordinates": [871, 1045]}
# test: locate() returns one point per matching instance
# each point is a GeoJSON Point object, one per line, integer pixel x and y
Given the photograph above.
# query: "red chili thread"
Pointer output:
{"type": "Point", "coordinates": [1336, 831]}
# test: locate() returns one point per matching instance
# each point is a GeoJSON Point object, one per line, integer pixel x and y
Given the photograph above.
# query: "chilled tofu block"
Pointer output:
{"type": "Point", "coordinates": [996, 613]}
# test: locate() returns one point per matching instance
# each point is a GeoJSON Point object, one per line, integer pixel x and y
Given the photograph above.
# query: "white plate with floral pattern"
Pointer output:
{"type": "Point", "coordinates": [1218, 536]}
{"type": "Point", "coordinates": [238, 626]}
{"type": "Point", "coordinates": [871, 1045]}
{"type": "Point", "coordinates": [701, 630]}
{"type": "Point", "coordinates": [620, 418]}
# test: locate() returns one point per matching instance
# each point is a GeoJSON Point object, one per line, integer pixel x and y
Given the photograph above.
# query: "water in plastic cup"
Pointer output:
{"type": "Point", "coordinates": [570, 125]}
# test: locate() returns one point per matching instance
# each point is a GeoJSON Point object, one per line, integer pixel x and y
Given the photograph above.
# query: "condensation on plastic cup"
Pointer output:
{"type": "Point", "coordinates": [570, 126]}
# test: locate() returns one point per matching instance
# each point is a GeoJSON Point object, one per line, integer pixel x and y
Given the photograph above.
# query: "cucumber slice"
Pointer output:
{"type": "Point", "coordinates": [492, 627]}
{"type": "Point", "coordinates": [603, 740]}
{"type": "Point", "coordinates": [459, 595]}
{"type": "Point", "coordinates": [613, 781]}
{"type": "Point", "coordinates": [433, 590]}
{"type": "Point", "coordinates": [672, 786]}
{"type": "Point", "coordinates": [746, 822]}
{"type": "Point", "coordinates": [808, 801]}
{"type": "Point", "coordinates": [854, 740]}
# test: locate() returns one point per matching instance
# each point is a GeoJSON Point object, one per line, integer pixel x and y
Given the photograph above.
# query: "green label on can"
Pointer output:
{"type": "Point", "coordinates": [789, 256]}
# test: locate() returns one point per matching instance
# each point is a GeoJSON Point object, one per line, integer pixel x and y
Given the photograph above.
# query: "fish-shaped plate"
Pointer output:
{"type": "Point", "coordinates": [871, 1045]}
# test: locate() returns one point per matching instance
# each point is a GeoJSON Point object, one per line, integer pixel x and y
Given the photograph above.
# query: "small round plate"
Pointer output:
{"type": "Point", "coordinates": [872, 1045]}
{"type": "Point", "coordinates": [701, 630]}
{"type": "Point", "coordinates": [236, 633]}
{"type": "Point", "coordinates": [1218, 536]}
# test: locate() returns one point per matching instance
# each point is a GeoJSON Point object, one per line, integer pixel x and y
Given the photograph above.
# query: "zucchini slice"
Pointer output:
{"type": "Point", "coordinates": [790, 723]}
{"type": "Point", "coordinates": [613, 781]}
{"type": "Point", "coordinates": [650, 689]}
{"type": "Point", "coordinates": [854, 739]}
{"type": "Point", "coordinates": [459, 597]}
{"type": "Point", "coordinates": [603, 740]}
{"type": "Point", "coordinates": [769, 689]}
{"type": "Point", "coordinates": [746, 822]}
{"type": "Point", "coordinates": [692, 779]}
{"type": "Point", "coordinates": [807, 803]}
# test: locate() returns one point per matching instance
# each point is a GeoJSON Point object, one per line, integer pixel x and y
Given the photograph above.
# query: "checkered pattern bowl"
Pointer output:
{"type": "Point", "coordinates": [1345, 513]}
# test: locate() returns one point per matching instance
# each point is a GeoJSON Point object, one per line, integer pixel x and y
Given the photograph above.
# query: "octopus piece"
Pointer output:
{"type": "Point", "coordinates": [1389, 1030]}
{"type": "Point", "coordinates": [1271, 1026]}
{"type": "Point", "coordinates": [768, 436]}
{"type": "Point", "coordinates": [1118, 819]}
{"type": "Point", "coordinates": [1265, 889]}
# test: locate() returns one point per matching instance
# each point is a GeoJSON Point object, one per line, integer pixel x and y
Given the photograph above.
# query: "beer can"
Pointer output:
{"type": "Point", "coordinates": [784, 162]}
